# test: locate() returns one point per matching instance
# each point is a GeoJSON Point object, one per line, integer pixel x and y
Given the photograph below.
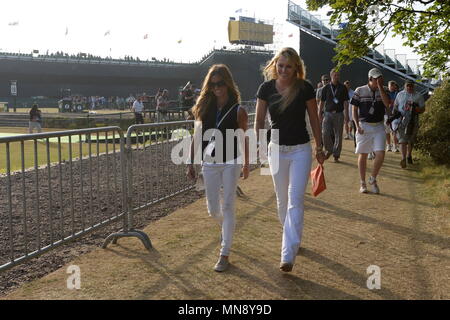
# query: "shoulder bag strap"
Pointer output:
{"type": "Point", "coordinates": [218, 125]}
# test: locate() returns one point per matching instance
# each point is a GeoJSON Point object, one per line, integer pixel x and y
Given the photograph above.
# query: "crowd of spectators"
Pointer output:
{"type": "Point", "coordinates": [80, 55]}
{"type": "Point", "coordinates": [101, 102]}
{"type": "Point", "coordinates": [88, 56]}
{"type": "Point", "coordinates": [224, 49]}
{"type": "Point", "coordinates": [113, 102]}
{"type": "Point", "coordinates": [17, 54]}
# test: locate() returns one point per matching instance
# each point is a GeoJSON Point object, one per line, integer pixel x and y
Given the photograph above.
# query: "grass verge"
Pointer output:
{"type": "Point", "coordinates": [436, 181]}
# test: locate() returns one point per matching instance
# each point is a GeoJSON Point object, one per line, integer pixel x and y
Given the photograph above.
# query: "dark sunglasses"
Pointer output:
{"type": "Point", "coordinates": [220, 83]}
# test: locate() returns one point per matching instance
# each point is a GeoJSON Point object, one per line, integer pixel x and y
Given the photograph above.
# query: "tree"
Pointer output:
{"type": "Point", "coordinates": [433, 138]}
{"type": "Point", "coordinates": [423, 25]}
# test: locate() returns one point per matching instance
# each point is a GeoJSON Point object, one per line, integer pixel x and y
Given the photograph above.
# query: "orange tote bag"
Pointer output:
{"type": "Point", "coordinates": [318, 180]}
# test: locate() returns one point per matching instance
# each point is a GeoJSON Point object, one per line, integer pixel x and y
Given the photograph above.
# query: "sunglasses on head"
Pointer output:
{"type": "Point", "coordinates": [220, 83]}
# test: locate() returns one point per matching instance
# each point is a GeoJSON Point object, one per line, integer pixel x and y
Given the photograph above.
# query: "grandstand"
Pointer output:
{"type": "Point", "coordinates": [48, 75]}
{"type": "Point", "coordinates": [317, 42]}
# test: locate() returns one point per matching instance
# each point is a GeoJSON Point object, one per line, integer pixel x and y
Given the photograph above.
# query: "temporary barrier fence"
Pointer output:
{"type": "Point", "coordinates": [61, 190]}
{"type": "Point", "coordinates": [152, 176]}
{"type": "Point", "coordinates": [67, 184]}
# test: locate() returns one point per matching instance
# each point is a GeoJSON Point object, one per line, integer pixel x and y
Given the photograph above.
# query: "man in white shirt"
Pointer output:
{"type": "Point", "coordinates": [138, 108]}
{"type": "Point", "coordinates": [369, 104]}
{"type": "Point", "coordinates": [410, 104]}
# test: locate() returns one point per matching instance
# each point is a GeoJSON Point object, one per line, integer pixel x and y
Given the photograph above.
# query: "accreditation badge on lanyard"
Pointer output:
{"type": "Point", "coordinates": [372, 108]}
{"type": "Point", "coordinates": [335, 100]}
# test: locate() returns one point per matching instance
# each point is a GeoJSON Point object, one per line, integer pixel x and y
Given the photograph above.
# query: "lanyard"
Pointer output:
{"type": "Point", "coordinates": [332, 91]}
{"type": "Point", "coordinates": [218, 116]}
{"type": "Point", "coordinates": [219, 112]}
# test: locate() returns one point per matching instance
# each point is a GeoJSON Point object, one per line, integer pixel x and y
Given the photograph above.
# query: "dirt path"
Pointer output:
{"type": "Point", "coordinates": [345, 233]}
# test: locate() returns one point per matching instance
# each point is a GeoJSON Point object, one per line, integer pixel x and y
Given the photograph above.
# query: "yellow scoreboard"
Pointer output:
{"type": "Point", "coordinates": [247, 32]}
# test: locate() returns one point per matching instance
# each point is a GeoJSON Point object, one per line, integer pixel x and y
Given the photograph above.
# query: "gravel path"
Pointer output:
{"type": "Point", "coordinates": [62, 210]}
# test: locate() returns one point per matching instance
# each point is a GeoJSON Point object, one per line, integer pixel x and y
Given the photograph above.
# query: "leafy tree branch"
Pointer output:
{"type": "Point", "coordinates": [422, 24]}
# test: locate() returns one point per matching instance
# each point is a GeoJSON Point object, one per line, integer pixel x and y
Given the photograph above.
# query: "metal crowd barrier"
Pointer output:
{"type": "Point", "coordinates": [76, 189]}
{"type": "Point", "coordinates": [152, 176]}
{"type": "Point", "coordinates": [171, 115]}
{"type": "Point", "coordinates": [249, 106]}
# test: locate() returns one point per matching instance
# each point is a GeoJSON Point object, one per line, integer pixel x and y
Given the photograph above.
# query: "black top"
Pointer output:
{"type": "Point", "coordinates": [329, 92]}
{"type": "Point", "coordinates": [35, 115]}
{"type": "Point", "coordinates": [290, 123]}
{"type": "Point", "coordinates": [213, 116]}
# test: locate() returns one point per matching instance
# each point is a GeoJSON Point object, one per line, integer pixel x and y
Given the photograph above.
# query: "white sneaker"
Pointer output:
{"type": "Point", "coordinates": [396, 149]}
{"type": "Point", "coordinates": [373, 182]}
{"type": "Point", "coordinates": [388, 148]}
{"type": "Point", "coordinates": [371, 156]}
{"type": "Point", "coordinates": [363, 188]}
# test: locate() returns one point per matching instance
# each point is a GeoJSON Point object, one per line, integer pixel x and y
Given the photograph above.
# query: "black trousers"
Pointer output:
{"type": "Point", "coordinates": [138, 118]}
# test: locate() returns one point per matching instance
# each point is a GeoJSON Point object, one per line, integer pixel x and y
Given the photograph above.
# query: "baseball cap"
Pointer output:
{"type": "Point", "coordinates": [375, 73]}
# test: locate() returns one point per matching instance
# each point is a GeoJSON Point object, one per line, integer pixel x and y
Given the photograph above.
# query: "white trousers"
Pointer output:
{"type": "Point", "coordinates": [216, 176]}
{"type": "Point", "coordinates": [290, 177]}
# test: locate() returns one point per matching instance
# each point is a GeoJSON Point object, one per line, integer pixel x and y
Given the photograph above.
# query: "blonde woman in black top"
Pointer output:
{"type": "Point", "coordinates": [217, 111]}
{"type": "Point", "coordinates": [287, 97]}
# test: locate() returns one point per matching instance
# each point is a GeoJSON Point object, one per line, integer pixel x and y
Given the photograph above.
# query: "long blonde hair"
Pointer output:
{"type": "Point", "coordinates": [270, 73]}
{"type": "Point", "coordinates": [207, 97]}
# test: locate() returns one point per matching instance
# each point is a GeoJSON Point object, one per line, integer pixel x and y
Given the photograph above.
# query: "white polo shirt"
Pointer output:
{"type": "Point", "coordinates": [404, 100]}
{"type": "Point", "coordinates": [138, 106]}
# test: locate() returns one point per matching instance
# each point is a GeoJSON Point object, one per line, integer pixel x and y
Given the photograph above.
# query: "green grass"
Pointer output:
{"type": "Point", "coordinates": [436, 181]}
{"type": "Point", "coordinates": [27, 110]}
{"type": "Point", "coordinates": [24, 130]}
{"type": "Point", "coordinates": [56, 110]}
{"type": "Point", "coordinates": [29, 158]}
{"type": "Point", "coordinates": [16, 157]}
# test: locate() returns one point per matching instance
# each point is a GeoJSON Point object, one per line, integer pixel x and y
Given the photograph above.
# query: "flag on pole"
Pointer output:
{"type": "Point", "coordinates": [291, 35]}
{"type": "Point", "coordinates": [14, 23]}
{"type": "Point", "coordinates": [179, 41]}
{"type": "Point", "coordinates": [107, 33]}
{"type": "Point", "coordinates": [238, 10]}
{"type": "Point", "coordinates": [67, 31]}
{"type": "Point", "coordinates": [146, 36]}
